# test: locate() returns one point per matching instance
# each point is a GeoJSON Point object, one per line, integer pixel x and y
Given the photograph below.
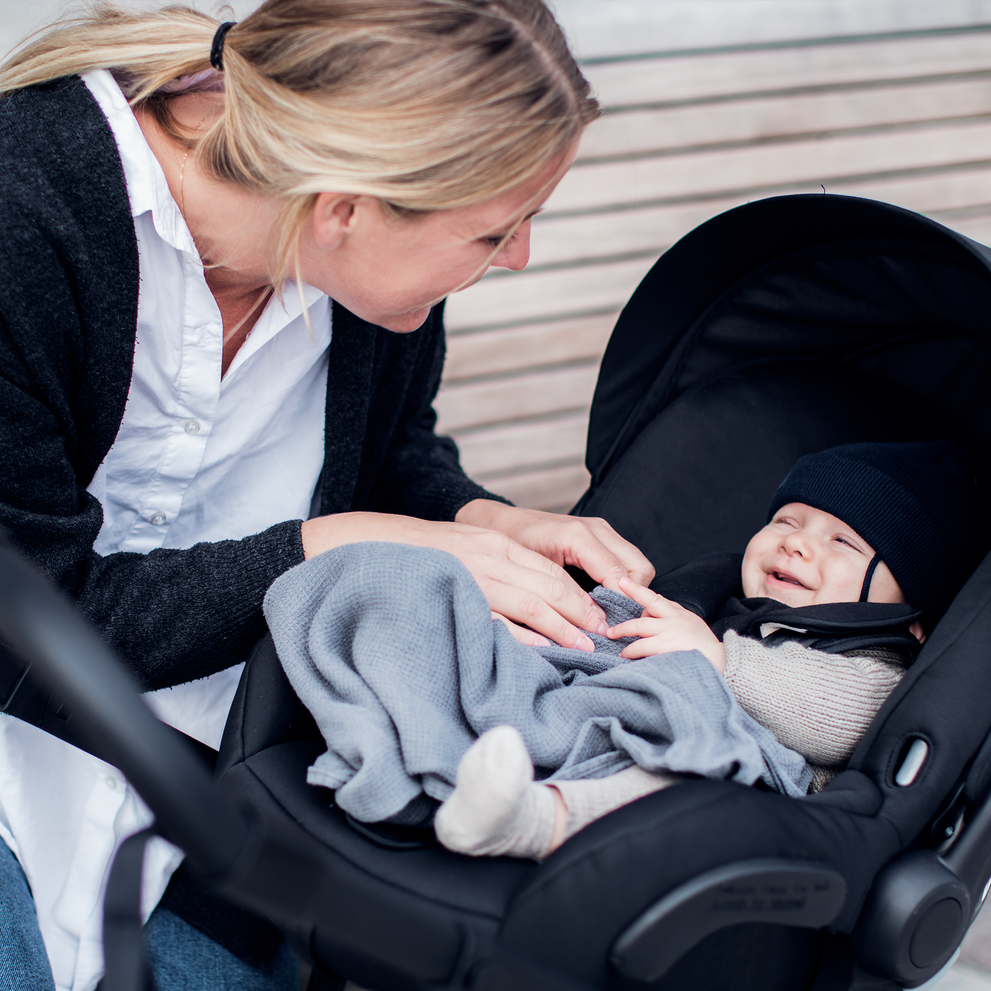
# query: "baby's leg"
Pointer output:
{"type": "Point", "coordinates": [497, 809]}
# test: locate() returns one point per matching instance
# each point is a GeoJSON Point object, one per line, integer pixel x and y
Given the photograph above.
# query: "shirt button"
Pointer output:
{"type": "Point", "coordinates": [158, 519]}
{"type": "Point", "coordinates": [192, 426]}
{"type": "Point", "coordinates": [111, 782]}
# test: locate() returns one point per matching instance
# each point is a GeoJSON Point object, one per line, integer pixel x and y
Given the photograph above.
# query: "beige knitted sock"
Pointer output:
{"type": "Point", "coordinates": [496, 809]}
{"type": "Point", "coordinates": [592, 799]}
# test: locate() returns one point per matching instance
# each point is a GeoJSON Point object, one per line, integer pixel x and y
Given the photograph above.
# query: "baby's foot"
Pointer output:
{"type": "Point", "coordinates": [496, 809]}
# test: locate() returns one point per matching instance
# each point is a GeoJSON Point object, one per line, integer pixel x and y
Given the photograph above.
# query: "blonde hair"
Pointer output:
{"type": "Point", "coordinates": [425, 104]}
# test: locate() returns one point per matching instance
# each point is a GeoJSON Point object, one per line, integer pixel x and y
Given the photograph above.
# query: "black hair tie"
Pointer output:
{"type": "Point", "coordinates": [217, 48]}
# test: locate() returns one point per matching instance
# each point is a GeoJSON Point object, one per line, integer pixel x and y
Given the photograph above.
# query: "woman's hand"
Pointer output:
{"type": "Point", "coordinates": [523, 587]}
{"type": "Point", "coordinates": [665, 626]}
{"type": "Point", "coordinates": [586, 542]}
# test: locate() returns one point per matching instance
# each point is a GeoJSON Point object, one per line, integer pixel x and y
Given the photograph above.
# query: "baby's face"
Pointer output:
{"type": "Point", "coordinates": [805, 557]}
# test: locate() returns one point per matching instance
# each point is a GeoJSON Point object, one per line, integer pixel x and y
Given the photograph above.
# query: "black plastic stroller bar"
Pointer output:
{"type": "Point", "coordinates": [47, 632]}
{"type": "Point", "coordinates": [784, 892]}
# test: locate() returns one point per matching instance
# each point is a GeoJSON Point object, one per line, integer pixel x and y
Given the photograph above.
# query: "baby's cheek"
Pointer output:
{"type": "Point", "coordinates": [750, 579]}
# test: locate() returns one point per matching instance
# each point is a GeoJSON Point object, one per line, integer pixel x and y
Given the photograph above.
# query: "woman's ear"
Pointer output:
{"type": "Point", "coordinates": [334, 218]}
{"type": "Point", "coordinates": [916, 630]}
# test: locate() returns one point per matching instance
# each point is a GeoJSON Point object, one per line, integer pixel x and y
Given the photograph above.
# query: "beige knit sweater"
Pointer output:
{"type": "Point", "coordinates": [816, 703]}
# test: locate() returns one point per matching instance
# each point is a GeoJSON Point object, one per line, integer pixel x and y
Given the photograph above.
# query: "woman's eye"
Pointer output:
{"type": "Point", "coordinates": [497, 239]}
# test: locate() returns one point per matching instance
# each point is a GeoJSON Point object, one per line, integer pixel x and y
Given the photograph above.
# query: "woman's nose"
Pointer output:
{"type": "Point", "coordinates": [516, 253]}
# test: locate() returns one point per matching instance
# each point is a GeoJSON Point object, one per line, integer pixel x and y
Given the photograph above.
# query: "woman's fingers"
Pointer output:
{"type": "Point", "coordinates": [522, 634]}
{"type": "Point", "coordinates": [526, 588]}
{"type": "Point", "coordinates": [527, 608]}
{"type": "Point", "coordinates": [623, 559]}
{"type": "Point", "coordinates": [595, 547]}
{"type": "Point", "coordinates": [587, 542]}
{"type": "Point", "coordinates": [530, 573]}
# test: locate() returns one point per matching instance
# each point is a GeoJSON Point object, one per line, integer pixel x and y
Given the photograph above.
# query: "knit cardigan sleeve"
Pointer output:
{"type": "Point", "coordinates": [816, 703]}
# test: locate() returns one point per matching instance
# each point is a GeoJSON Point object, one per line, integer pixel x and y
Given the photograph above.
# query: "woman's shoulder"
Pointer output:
{"type": "Point", "coordinates": [57, 150]}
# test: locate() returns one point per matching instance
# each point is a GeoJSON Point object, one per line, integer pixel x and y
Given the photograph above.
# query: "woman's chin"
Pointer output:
{"type": "Point", "coordinates": [404, 323]}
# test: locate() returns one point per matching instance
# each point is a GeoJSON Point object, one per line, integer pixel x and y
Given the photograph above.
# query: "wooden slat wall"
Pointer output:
{"type": "Point", "coordinates": [905, 119]}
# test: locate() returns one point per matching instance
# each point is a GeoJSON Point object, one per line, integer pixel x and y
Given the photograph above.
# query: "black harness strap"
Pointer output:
{"type": "Point", "coordinates": [865, 589]}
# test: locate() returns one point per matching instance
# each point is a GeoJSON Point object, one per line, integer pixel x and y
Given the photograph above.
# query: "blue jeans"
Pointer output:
{"type": "Point", "coordinates": [23, 961]}
{"type": "Point", "coordinates": [181, 957]}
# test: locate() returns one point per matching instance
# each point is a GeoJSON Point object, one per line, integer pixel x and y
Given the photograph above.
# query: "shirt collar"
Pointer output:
{"type": "Point", "coordinates": [147, 188]}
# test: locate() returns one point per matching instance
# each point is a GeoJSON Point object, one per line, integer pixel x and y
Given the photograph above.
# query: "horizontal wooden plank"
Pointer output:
{"type": "Point", "coordinates": [530, 295]}
{"type": "Point", "coordinates": [496, 450]}
{"type": "Point", "coordinates": [535, 394]}
{"type": "Point", "coordinates": [553, 489]}
{"type": "Point", "coordinates": [525, 296]}
{"type": "Point", "coordinates": [558, 240]}
{"type": "Point", "coordinates": [823, 160]}
{"type": "Point", "coordinates": [497, 351]}
{"type": "Point", "coordinates": [774, 117]}
{"type": "Point", "coordinates": [727, 74]}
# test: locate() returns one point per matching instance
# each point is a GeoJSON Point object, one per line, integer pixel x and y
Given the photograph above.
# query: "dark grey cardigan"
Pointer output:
{"type": "Point", "coordinates": [68, 308]}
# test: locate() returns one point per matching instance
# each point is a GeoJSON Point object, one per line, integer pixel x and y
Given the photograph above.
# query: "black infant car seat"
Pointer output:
{"type": "Point", "coordinates": [782, 327]}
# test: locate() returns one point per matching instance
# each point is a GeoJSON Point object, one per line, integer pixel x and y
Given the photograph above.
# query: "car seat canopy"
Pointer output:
{"type": "Point", "coordinates": [866, 286]}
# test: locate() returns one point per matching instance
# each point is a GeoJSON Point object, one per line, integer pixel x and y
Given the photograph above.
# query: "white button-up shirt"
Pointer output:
{"type": "Point", "coordinates": [198, 457]}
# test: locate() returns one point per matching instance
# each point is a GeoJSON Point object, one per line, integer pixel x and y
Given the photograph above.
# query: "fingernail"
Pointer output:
{"type": "Point", "coordinates": [599, 610]}
{"type": "Point", "coordinates": [602, 629]}
{"type": "Point", "coordinates": [583, 643]}
{"type": "Point", "coordinates": [624, 580]}
{"type": "Point", "coordinates": [542, 642]}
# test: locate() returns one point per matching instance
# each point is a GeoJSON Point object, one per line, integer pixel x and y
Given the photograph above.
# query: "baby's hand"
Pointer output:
{"type": "Point", "coordinates": [665, 626]}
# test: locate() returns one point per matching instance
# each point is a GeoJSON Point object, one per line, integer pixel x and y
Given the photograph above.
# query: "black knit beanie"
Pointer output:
{"type": "Point", "coordinates": [916, 504]}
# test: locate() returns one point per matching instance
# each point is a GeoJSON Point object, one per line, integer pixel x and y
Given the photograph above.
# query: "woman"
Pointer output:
{"type": "Point", "coordinates": [223, 268]}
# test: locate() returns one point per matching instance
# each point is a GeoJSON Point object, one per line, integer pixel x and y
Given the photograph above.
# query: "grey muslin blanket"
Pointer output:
{"type": "Point", "coordinates": [395, 652]}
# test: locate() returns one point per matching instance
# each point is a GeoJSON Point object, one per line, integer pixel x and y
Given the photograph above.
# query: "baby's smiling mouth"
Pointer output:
{"type": "Point", "coordinates": [781, 576]}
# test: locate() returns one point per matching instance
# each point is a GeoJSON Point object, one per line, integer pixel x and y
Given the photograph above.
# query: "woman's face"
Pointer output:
{"type": "Point", "coordinates": [390, 270]}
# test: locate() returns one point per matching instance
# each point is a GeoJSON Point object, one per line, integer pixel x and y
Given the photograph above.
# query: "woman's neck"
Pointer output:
{"type": "Point", "coordinates": [230, 226]}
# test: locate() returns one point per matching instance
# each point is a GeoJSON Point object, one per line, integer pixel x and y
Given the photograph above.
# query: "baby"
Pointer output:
{"type": "Point", "coordinates": [863, 523]}
{"type": "Point", "coordinates": [422, 697]}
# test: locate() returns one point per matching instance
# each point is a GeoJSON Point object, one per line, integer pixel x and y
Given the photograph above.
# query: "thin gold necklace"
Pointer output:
{"type": "Point", "coordinates": [182, 170]}
{"type": "Point", "coordinates": [262, 297]}
{"type": "Point", "coordinates": [266, 290]}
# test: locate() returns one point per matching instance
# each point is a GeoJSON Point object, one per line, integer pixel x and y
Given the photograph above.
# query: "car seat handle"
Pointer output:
{"type": "Point", "coordinates": [772, 890]}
